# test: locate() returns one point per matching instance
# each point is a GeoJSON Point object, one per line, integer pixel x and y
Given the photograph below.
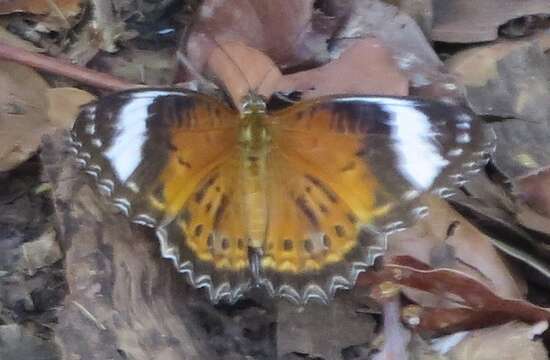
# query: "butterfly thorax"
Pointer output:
{"type": "Point", "coordinates": [255, 143]}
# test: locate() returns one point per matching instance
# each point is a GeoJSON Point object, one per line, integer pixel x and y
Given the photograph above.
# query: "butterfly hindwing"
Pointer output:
{"type": "Point", "coordinates": [209, 233]}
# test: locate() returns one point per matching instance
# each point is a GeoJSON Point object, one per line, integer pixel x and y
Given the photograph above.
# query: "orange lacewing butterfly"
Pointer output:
{"type": "Point", "coordinates": [298, 200]}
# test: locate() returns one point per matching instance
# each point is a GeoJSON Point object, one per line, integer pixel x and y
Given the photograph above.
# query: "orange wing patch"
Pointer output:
{"type": "Point", "coordinates": [321, 192]}
{"type": "Point", "coordinates": [198, 188]}
{"type": "Point", "coordinates": [214, 226]}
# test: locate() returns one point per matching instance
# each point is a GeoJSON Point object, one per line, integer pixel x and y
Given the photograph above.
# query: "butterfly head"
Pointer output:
{"type": "Point", "coordinates": [253, 103]}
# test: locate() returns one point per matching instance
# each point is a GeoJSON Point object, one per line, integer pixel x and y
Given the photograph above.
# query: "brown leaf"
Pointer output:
{"type": "Point", "coordinates": [9, 38]}
{"type": "Point", "coordinates": [289, 32]}
{"type": "Point", "coordinates": [466, 249]}
{"type": "Point", "coordinates": [479, 305]}
{"type": "Point", "coordinates": [467, 21]}
{"type": "Point", "coordinates": [150, 67]}
{"type": "Point", "coordinates": [366, 67]}
{"type": "Point", "coordinates": [509, 79]}
{"type": "Point", "coordinates": [40, 7]}
{"type": "Point", "coordinates": [507, 342]}
{"type": "Point", "coordinates": [409, 48]}
{"type": "Point", "coordinates": [23, 118]}
{"type": "Point", "coordinates": [242, 69]}
{"type": "Point", "coordinates": [64, 105]}
{"type": "Point", "coordinates": [534, 190]}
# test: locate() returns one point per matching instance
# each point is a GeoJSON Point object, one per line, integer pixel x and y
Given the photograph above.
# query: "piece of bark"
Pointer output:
{"type": "Point", "coordinates": [124, 301]}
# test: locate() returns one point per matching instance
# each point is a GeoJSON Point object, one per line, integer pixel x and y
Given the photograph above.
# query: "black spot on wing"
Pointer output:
{"type": "Point", "coordinates": [287, 245]}
{"type": "Point", "coordinates": [198, 230]}
{"type": "Point", "coordinates": [184, 216]}
{"type": "Point", "coordinates": [158, 193]}
{"type": "Point", "coordinates": [222, 206]}
{"type": "Point", "coordinates": [340, 231]}
{"type": "Point", "coordinates": [184, 163]}
{"type": "Point", "coordinates": [325, 189]}
{"type": "Point", "coordinates": [171, 146]}
{"type": "Point", "coordinates": [352, 218]}
{"type": "Point", "coordinates": [307, 211]}
{"type": "Point", "coordinates": [201, 192]}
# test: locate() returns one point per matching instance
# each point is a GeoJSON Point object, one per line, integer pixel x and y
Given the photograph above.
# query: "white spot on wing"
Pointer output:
{"type": "Point", "coordinates": [419, 158]}
{"type": "Point", "coordinates": [126, 149]}
{"type": "Point", "coordinates": [96, 142]}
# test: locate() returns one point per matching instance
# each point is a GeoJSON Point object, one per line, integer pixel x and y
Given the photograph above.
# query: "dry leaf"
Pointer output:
{"type": "Point", "coordinates": [302, 330]}
{"type": "Point", "coordinates": [468, 21]}
{"type": "Point", "coordinates": [64, 105]}
{"type": "Point", "coordinates": [242, 69]}
{"type": "Point", "coordinates": [289, 32]}
{"type": "Point", "coordinates": [507, 342]}
{"type": "Point", "coordinates": [534, 190]}
{"type": "Point", "coordinates": [478, 305]}
{"type": "Point", "coordinates": [9, 38]}
{"type": "Point", "coordinates": [40, 7]}
{"type": "Point", "coordinates": [23, 113]}
{"type": "Point", "coordinates": [466, 249]}
{"type": "Point", "coordinates": [509, 79]}
{"type": "Point", "coordinates": [150, 67]}
{"type": "Point", "coordinates": [43, 251]}
{"type": "Point", "coordinates": [366, 67]}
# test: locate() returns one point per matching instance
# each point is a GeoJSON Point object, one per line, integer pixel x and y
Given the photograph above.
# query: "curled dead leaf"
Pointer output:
{"type": "Point", "coordinates": [476, 305]}
{"type": "Point", "coordinates": [464, 248]}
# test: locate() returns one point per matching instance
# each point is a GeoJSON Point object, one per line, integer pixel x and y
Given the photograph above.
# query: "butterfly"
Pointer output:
{"type": "Point", "coordinates": [297, 200]}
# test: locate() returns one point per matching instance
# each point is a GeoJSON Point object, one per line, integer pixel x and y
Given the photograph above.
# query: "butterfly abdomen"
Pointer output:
{"type": "Point", "coordinates": [255, 142]}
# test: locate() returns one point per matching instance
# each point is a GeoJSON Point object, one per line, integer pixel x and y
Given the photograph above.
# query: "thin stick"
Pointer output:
{"type": "Point", "coordinates": [63, 68]}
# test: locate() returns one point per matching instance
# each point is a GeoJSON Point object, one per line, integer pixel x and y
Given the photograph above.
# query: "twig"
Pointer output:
{"type": "Point", "coordinates": [89, 315]}
{"type": "Point", "coordinates": [59, 67]}
{"type": "Point", "coordinates": [396, 337]}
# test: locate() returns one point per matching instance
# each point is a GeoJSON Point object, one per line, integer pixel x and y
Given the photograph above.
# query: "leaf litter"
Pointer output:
{"type": "Point", "coordinates": [461, 269]}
